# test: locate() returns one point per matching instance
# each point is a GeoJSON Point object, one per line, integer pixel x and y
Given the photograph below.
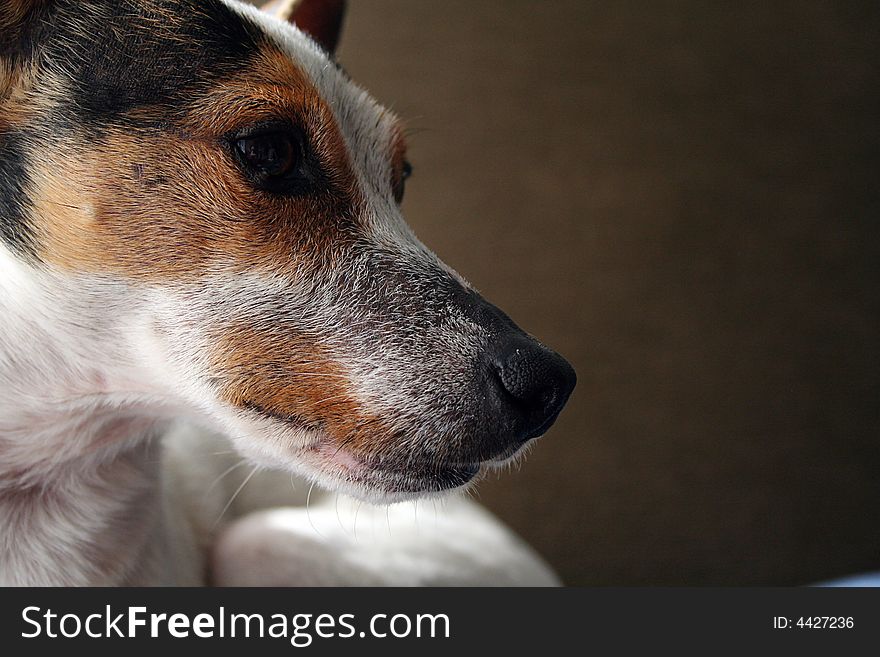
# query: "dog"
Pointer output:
{"type": "Point", "coordinates": [201, 240]}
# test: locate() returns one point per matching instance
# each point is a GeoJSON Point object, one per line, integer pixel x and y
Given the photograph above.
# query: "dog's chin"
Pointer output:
{"type": "Point", "coordinates": [386, 481]}
{"type": "Point", "coordinates": [374, 478]}
{"type": "Point", "coordinates": [383, 480]}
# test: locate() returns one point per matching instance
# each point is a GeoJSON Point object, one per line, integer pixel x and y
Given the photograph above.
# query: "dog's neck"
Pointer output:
{"type": "Point", "coordinates": [78, 466]}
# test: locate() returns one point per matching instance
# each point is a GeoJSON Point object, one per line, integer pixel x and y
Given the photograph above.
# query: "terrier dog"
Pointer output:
{"type": "Point", "coordinates": [200, 234]}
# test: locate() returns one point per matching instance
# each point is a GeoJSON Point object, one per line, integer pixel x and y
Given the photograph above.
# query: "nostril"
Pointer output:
{"type": "Point", "coordinates": [524, 379]}
{"type": "Point", "coordinates": [536, 382]}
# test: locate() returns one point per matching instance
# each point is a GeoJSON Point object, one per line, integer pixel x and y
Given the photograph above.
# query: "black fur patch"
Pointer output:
{"type": "Point", "coordinates": [18, 36]}
{"type": "Point", "coordinates": [119, 55]}
{"type": "Point", "coordinates": [14, 229]}
{"type": "Point", "coordinates": [113, 56]}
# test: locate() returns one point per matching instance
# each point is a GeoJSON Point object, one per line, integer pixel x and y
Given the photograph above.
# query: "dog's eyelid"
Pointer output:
{"type": "Point", "coordinates": [264, 127]}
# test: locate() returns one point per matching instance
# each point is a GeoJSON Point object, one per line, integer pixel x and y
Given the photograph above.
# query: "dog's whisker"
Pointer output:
{"type": "Point", "coordinates": [338, 518]}
{"type": "Point", "coordinates": [69, 206]}
{"type": "Point", "coordinates": [342, 445]}
{"type": "Point", "coordinates": [224, 473]}
{"type": "Point", "coordinates": [356, 512]}
{"type": "Point", "coordinates": [235, 494]}
{"type": "Point", "coordinates": [412, 132]}
{"type": "Point", "coordinates": [309, 510]}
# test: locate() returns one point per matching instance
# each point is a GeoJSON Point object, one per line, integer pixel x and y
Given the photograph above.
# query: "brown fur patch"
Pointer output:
{"type": "Point", "coordinates": [166, 201]}
{"type": "Point", "coordinates": [17, 85]}
{"type": "Point", "coordinates": [162, 203]}
{"type": "Point", "coordinates": [289, 377]}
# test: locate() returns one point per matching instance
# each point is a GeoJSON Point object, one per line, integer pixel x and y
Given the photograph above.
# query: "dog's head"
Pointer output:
{"type": "Point", "coordinates": [206, 175]}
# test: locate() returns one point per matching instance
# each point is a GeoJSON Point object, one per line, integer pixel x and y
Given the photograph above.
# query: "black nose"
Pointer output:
{"type": "Point", "coordinates": [534, 384]}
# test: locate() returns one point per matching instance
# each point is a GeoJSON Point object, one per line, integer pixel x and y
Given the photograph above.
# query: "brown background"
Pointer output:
{"type": "Point", "coordinates": [683, 199]}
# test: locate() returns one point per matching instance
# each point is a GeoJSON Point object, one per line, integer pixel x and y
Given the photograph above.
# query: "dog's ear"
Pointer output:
{"type": "Point", "coordinates": [320, 19]}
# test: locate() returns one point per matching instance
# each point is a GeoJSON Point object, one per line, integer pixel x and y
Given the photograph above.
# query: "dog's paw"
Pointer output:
{"type": "Point", "coordinates": [347, 543]}
{"type": "Point", "coordinates": [278, 547]}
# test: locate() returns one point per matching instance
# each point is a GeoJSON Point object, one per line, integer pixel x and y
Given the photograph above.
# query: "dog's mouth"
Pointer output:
{"type": "Point", "coordinates": [369, 475]}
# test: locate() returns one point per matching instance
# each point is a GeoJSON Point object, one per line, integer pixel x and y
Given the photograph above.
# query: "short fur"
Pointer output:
{"type": "Point", "coordinates": [145, 282]}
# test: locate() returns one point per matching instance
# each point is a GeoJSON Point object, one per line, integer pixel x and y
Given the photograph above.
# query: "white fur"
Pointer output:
{"type": "Point", "coordinates": [110, 432]}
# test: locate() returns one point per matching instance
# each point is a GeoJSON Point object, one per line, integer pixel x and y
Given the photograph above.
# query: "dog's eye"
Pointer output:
{"type": "Point", "coordinates": [399, 184]}
{"type": "Point", "coordinates": [270, 155]}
